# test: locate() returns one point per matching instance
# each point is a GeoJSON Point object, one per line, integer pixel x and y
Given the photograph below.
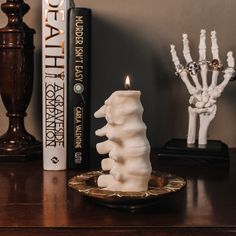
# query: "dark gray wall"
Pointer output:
{"type": "Point", "coordinates": [133, 36]}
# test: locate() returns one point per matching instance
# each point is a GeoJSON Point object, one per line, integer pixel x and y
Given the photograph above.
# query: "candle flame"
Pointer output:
{"type": "Point", "coordinates": [127, 82]}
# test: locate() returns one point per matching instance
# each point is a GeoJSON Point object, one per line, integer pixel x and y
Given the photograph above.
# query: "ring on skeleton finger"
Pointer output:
{"type": "Point", "coordinates": [192, 68]}
{"type": "Point", "coordinates": [178, 69]}
{"type": "Point", "coordinates": [215, 65]}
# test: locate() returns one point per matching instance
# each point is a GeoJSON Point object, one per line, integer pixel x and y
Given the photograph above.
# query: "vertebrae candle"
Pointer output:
{"type": "Point", "coordinates": [127, 145]}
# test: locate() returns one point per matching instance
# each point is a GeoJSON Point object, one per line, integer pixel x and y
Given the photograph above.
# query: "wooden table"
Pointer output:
{"type": "Point", "coordinates": [37, 202]}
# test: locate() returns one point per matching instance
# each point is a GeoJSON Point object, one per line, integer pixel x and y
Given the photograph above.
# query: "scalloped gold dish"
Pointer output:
{"type": "Point", "coordinates": [160, 185]}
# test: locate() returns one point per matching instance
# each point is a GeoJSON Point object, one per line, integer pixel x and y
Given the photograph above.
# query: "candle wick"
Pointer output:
{"type": "Point", "coordinates": [127, 86]}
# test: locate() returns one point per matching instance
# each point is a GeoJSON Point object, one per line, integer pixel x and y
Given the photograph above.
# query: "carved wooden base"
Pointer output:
{"type": "Point", "coordinates": [176, 151]}
{"type": "Point", "coordinates": [16, 82]}
{"type": "Point", "coordinates": [25, 153]}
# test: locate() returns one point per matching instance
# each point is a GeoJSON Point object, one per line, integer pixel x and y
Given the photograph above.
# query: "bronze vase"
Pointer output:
{"type": "Point", "coordinates": [16, 82]}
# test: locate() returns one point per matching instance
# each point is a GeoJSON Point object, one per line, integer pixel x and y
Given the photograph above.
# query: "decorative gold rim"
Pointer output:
{"type": "Point", "coordinates": [160, 184]}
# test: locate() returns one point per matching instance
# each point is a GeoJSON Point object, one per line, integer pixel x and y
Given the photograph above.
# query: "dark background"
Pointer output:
{"type": "Point", "coordinates": [133, 37]}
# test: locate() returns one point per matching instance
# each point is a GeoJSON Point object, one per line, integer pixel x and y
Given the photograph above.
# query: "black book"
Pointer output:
{"type": "Point", "coordinates": [78, 88]}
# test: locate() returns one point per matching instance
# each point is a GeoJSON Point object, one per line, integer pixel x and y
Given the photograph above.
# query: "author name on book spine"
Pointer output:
{"type": "Point", "coordinates": [79, 79]}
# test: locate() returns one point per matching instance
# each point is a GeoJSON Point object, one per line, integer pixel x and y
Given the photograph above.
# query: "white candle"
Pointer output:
{"type": "Point", "coordinates": [127, 144]}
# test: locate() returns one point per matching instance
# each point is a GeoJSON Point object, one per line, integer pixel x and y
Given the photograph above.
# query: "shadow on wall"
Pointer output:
{"type": "Point", "coordinates": [117, 52]}
{"type": "Point", "coordinates": [171, 112]}
{"type": "Point", "coordinates": [37, 101]}
{"type": "Point", "coordinates": [33, 120]}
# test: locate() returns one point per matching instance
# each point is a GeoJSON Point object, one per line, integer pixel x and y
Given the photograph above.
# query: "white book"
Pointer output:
{"type": "Point", "coordinates": [54, 87]}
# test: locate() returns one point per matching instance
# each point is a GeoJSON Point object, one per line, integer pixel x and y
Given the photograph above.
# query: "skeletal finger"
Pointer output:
{"type": "Point", "coordinates": [202, 45]}
{"type": "Point", "coordinates": [191, 89]}
{"type": "Point", "coordinates": [175, 58]}
{"type": "Point", "coordinates": [230, 59]}
{"type": "Point", "coordinates": [181, 71]}
{"type": "Point", "coordinates": [231, 63]}
{"type": "Point", "coordinates": [215, 64]}
{"type": "Point", "coordinates": [186, 50]}
{"type": "Point", "coordinates": [196, 82]}
{"type": "Point", "coordinates": [202, 58]}
{"type": "Point", "coordinates": [192, 66]}
{"type": "Point", "coordinates": [214, 46]}
{"type": "Point", "coordinates": [214, 79]}
{"type": "Point", "coordinates": [178, 66]}
{"type": "Point", "coordinates": [229, 72]}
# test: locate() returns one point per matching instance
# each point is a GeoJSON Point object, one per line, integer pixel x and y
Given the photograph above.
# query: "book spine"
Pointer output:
{"type": "Point", "coordinates": [78, 88]}
{"type": "Point", "coordinates": [54, 72]}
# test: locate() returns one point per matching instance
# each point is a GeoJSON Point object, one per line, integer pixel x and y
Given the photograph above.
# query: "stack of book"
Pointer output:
{"type": "Point", "coordinates": [65, 85]}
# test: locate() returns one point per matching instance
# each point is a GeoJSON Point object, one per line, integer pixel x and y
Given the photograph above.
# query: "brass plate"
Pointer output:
{"type": "Point", "coordinates": [160, 185]}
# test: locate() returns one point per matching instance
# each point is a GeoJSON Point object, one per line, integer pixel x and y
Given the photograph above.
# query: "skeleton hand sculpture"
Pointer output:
{"type": "Point", "coordinates": [129, 162]}
{"type": "Point", "coordinates": [202, 96]}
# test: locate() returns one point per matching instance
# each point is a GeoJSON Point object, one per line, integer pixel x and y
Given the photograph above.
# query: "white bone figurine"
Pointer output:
{"type": "Point", "coordinates": [127, 145]}
{"type": "Point", "coordinates": [203, 97]}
